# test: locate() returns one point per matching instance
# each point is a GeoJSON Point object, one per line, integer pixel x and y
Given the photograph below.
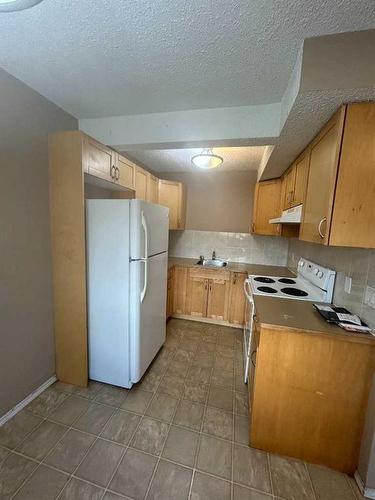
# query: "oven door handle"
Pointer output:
{"type": "Point", "coordinates": [246, 287]}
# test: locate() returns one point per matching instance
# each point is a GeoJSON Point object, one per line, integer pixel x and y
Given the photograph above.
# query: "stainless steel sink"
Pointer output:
{"type": "Point", "coordinates": [212, 262]}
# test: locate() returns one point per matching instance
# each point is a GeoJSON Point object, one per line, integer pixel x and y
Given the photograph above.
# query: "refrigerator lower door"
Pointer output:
{"type": "Point", "coordinates": [147, 316]}
{"type": "Point", "coordinates": [108, 268]}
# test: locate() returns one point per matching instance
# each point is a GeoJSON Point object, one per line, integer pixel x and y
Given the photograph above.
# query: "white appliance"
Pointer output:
{"type": "Point", "coordinates": [127, 260]}
{"type": "Point", "coordinates": [313, 282]}
{"type": "Point", "coordinates": [290, 216]}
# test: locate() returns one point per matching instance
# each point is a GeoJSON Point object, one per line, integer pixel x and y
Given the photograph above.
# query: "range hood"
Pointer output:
{"type": "Point", "coordinates": [291, 216]}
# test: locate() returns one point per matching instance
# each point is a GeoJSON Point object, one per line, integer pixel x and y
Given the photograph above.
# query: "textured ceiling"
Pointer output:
{"type": "Point", "coordinates": [115, 57]}
{"type": "Point", "coordinates": [179, 160]}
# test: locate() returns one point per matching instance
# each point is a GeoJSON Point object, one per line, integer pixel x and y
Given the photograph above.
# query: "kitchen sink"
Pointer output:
{"type": "Point", "coordinates": [212, 262]}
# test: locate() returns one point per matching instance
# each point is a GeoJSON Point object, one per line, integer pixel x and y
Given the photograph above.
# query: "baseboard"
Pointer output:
{"type": "Point", "coordinates": [205, 320]}
{"type": "Point", "coordinates": [366, 492]}
{"type": "Point", "coordinates": [16, 409]}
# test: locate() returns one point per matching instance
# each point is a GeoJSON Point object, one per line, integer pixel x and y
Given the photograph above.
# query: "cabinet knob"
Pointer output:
{"type": "Point", "coordinates": [117, 173]}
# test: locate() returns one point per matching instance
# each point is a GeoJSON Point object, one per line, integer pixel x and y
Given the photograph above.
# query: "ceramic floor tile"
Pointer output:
{"type": "Point", "coordinates": [329, 484]}
{"type": "Point", "coordinates": [195, 392]}
{"type": "Point", "coordinates": [89, 392]}
{"type": "Point", "coordinates": [199, 374]}
{"type": "Point", "coordinates": [189, 415]}
{"type": "Point", "coordinates": [79, 490]}
{"type": "Point", "coordinates": [69, 410]}
{"type": "Point", "coordinates": [17, 428]}
{"type": "Point", "coordinates": [162, 407]}
{"type": "Point", "coordinates": [250, 468]}
{"type": "Point", "coordinates": [63, 387]}
{"type": "Point", "coordinates": [207, 345]}
{"type": "Point", "coordinates": [222, 378]}
{"type": "Point", "coordinates": [241, 429]}
{"type": "Point", "coordinates": [172, 385]}
{"type": "Point", "coordinates": [290, 478]}
{"type": "Point", "coordinates": [112, 496]}
{"type": "Point", "coordinates": [134, 474]}
{"type": "Point", "coordinates": [111, 395]}
{"type": "Point", "coordinates": [42, 440]}
{"type": "Point", "coordinates": [241, 402]}
{"type": "Point", "coordinates": [94, 419]}
{"type": "Point", "coordinates": [210, 488]}
{"type": "Point", "coordinates": [215, 457]}
{"type": "Point", "coordinates": [240, 386]}
{"type": "Point", "coordinates": [223, 363]}
{"type": "Point", "coordinates": [188, 345]}
{"type": "Point", "coordinates": [3, 454]}
{"type": "Point", "coordinates": [121, 427]}
{"type": "Point", "coordinates": [183, 356]}
{"type": "Point", "coordinates": [150, 381]}
{"type": "Point", "coordinates": [181, 446]}
{"type": "Point", "coordinates": [150, 436]}
{"type": "Point", "coordinates": [178, 368]}
{"type": "Point", "coordinates": [137, 400]}
{"type": "Point", "coordinates": [14, 470]}
{"type": "Point", "coordinates": [218, 423]}
{"type": "Point", "coordinates": [171, 482]}
{"type": "Point", "coordinates": [100, 462]}
{"type": "Point", "coordinates": [204, 359]}
{"type": "Point", "coordinates": [47, 402]}
{"type": "Point", "coordinates": [220, 398]}
{"type": "Point", "coordinates": [242, 493]}
{"type": "Point", "coordinates": [69, 452]}
{"type": "Point", "coordinates": [44, 484]}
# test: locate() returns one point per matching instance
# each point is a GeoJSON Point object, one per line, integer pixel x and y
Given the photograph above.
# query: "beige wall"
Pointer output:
{"type": "Point", "coordinates": [26, 332]}
{"type": "Point", "coordinates": [217, 201]}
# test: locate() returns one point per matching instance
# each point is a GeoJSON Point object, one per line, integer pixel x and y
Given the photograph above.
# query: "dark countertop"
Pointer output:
{"type": "Point", "coordinates": [235, 267]}
{"type": "Point", "coordinates": [288, 314]}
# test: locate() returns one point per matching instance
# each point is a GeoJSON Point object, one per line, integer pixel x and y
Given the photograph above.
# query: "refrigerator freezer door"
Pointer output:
{"type": "Point", "coordinates": [147, 317]}
{"type": "Point", "coordinates": [152, 220]}
{"type": "Point", "coordinates": [108, 268]}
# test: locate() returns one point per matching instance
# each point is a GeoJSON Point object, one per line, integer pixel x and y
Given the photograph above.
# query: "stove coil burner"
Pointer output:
{"type": "Point", "coordinates": [266, 289]}
{"type": "Point", "coordinates": [294, 291]}
{"type": "Point", "coordinates": [287, 281]}
{"type": "Point", "coordinates": [263, 279]}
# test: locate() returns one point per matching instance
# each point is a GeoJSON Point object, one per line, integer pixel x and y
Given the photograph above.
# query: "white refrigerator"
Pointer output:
{"type": "Point", "coordinates": [127, 261]}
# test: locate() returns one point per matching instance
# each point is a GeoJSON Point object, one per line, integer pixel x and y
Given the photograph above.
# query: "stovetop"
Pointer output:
{"type": "Point", "coordinates": [313, 282]}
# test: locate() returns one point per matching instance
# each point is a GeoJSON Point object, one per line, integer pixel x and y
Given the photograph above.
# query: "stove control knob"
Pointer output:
{"type": "Point", "coordinates": [320, 274]}
{"type": "Point", "coordinates": [301, 264]}
{"type": "Point", "coordinates": [316, 271]}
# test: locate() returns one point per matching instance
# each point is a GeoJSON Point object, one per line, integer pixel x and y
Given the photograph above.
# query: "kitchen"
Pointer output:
{"type": "Point", "coordinates": [182, 356]}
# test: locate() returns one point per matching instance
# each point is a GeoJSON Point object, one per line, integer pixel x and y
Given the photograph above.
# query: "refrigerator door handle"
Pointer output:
{"type": "Point", "coordinates": [145, 258]}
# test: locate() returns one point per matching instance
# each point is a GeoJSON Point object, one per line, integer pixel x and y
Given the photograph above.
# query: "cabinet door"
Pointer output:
{"type": "Point", "coordinates": [325, 151]}
{"type": "Point", "coordinates": [179, 290]}
{"type": "Point", "coordinates": [153, 189]}
{"type": "Point", "coordinates": [266, 207]}
{"type": "Point", "coordinates": [126, 172]}
{"type": "Point", "coordinates": [217, 307]}
{"type": "Point", "coordinates": [170, 293]}
{"type": "Point", "coordinates": [172, 195]}
{"type": "Point", "coordinates": [237, 302]}
{"type": "Point", "coordinates": [100, 160]}
{"type": "Point", "coordinates": [141, 184]}
{"type": "Point", "coordinates": [289, 179]}
{"type": "Point", "coordinates": [197, 290]}
{"type": "Point", "coordinates": [302, 172]}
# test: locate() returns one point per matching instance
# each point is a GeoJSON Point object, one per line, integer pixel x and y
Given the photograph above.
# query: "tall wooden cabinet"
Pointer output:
{"type": "Point", "coordinates": [267, 197]}
{"type": "Point", "coordinates": [172, 195]}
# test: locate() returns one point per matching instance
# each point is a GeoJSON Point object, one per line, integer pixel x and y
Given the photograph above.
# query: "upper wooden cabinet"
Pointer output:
{"type": "Point", "coordinates": [141, 178]}
{"type": "Point", "coordinates": [152, 189]}
{"type": "Point", "coordinates": [288, 181]}
{"type": "Point", "coordinates": [172, 195]}
{"type": "Point", "coordinates": [294, 182]}
{"type": "Point", "coordinates": [100, 161]}
{"type": "Point", "coordinates": [125, 173]}
{"type": "Point", "coordinates": [266, 206]}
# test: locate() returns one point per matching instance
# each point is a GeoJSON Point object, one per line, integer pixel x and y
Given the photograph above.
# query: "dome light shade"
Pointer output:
{"type": "Point", "coordinates": [207, 159]}
{"type": "Point", "coordinates": [14, 5]}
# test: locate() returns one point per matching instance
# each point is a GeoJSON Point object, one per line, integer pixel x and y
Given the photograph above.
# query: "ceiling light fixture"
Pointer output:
{"type": "Point", "coordinates": [13, 5]}
{"type": "Point", "coordinates": [207, 159]}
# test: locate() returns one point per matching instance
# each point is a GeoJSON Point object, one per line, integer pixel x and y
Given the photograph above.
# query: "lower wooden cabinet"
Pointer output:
{"type": "Point", "coordinates": [179, 290]}
{"type": "Point", "coordinates": [196, 304]}
{"type": "Point", "coordinates": [237, 301]}
{"type": "Point", "coordinates": [217, 300]}
{"type": "Point", "coordinates": [170, 284]}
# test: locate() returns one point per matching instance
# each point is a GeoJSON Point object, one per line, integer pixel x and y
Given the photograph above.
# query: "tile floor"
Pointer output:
{"type": "Point", "coordinates": [180, 433]}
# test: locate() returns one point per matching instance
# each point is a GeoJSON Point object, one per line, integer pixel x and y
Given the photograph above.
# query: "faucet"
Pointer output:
{"type": "Point", "coordinates": [214, 255]}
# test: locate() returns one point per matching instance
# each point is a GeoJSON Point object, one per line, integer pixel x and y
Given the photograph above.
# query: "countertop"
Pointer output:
{"type": "Point", "coordinates": [235, 267]}
{"type": "Point", "coordinates": [278, 313]}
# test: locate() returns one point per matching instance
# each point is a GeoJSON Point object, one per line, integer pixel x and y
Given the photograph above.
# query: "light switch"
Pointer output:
{"type": "Point", "coordinates": [370, 296]}
{"type": "Point", "coordinates": [348, 284]}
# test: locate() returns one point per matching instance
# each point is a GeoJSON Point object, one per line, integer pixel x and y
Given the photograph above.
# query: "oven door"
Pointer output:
{"type": "Point", "coordinates": [248, 328]}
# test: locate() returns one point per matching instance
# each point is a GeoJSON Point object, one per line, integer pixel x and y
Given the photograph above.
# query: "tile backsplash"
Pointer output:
{"type": "Point", "coordinates": [355, 263]}
{"type": "Point", "coordinates": [237, 247]}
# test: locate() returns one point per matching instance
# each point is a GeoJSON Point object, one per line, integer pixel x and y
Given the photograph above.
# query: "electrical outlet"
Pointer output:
{"type": "Point", "coordinates": [370, 296]}
{"type": "Point", "coordinates": [348, 284]}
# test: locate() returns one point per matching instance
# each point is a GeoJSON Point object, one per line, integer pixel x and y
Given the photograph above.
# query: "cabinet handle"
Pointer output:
{"type": "Point", "coordinates": [235, 279]}
{"type": "Point", "coordinates": [113, 172]}
{"type": "Point", "coordinates": [117, 173]}
{"type": "Point", "coordinates": [320, 227]}
{"type": "Point", "coordinates": [252, 358]}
